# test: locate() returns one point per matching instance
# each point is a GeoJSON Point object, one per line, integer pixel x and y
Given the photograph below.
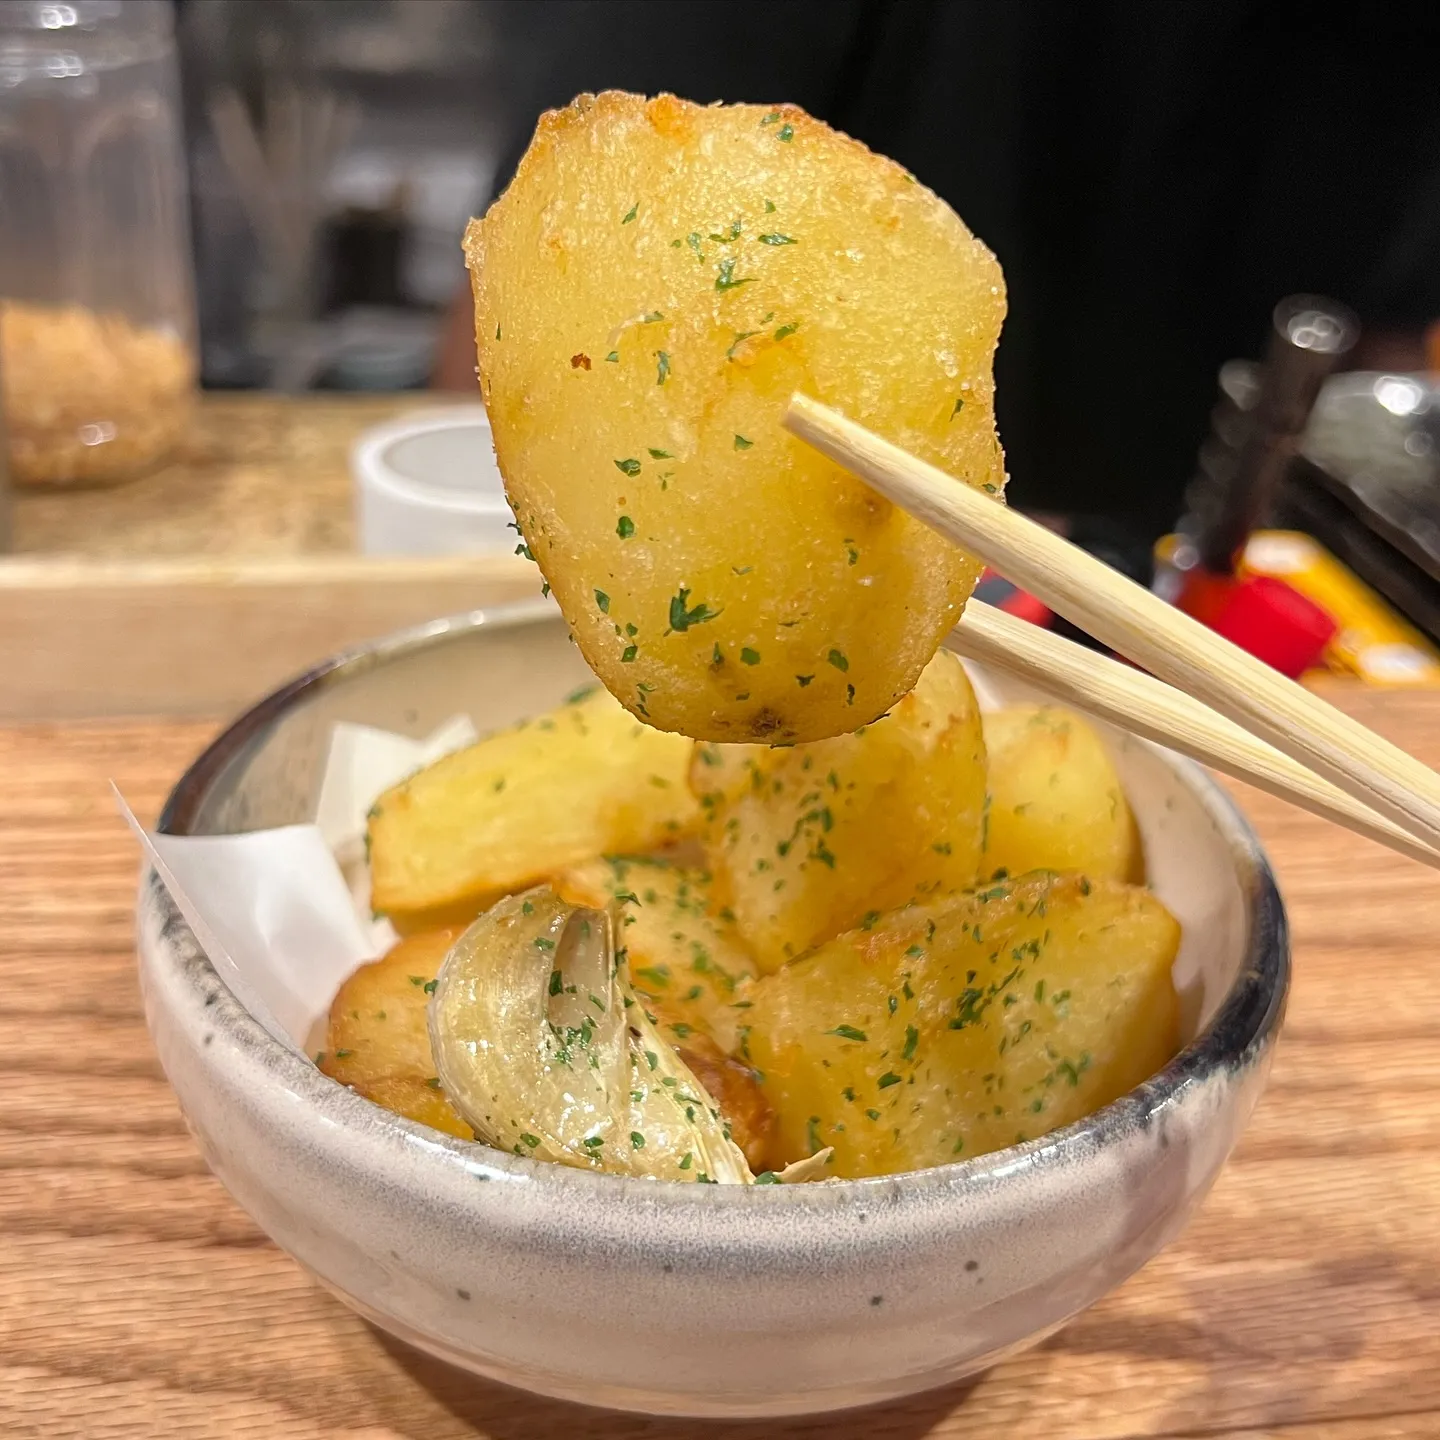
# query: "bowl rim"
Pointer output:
{"type": "Point", "coordinates": [1239, 1032]}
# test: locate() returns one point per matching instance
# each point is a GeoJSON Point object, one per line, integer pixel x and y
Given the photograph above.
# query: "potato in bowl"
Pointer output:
{"type": "Point", "coordinates": [833, 947]}
{"type": "Point", "coordinates": [567, 1276]}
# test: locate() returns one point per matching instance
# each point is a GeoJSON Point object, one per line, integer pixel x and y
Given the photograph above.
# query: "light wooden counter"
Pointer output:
{"type": "Point", "coordinates": [203, 586]}
{"type": "Point", "coordinates": [137, 1300]}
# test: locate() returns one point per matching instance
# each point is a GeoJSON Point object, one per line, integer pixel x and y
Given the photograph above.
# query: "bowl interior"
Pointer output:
{"type": "Point", "coordinates": [508, 664]}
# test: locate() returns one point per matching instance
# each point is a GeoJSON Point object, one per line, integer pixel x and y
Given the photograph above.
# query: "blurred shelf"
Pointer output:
{"type": "Point", "coordinates": [260, 475]}
{"type": "Point", "coordinates": [201, 587]}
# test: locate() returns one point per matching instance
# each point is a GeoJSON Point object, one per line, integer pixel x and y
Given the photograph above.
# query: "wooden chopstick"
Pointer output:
{"type": "Point", "coordinates": [1129, 619]}
{"type": "Point", "coordinates": [1137, 702]}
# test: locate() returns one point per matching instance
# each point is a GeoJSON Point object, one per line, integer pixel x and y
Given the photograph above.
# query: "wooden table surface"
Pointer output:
{"type": "Point", "coordinates": [259, 476]}
{"type": "Point", "coordinates": [136, 1300]}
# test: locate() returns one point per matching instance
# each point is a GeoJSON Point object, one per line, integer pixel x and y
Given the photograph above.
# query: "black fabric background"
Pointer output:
{"type": "Point", "coordinates": [1153, 174]}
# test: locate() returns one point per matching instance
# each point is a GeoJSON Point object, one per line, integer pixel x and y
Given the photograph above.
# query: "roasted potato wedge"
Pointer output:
{"type": "Point", "coordinates": [734, 1087]}
{"type": "Point", "coordinates": [681, 958]}
{"type": "Point", "coordinates": [805, 841]}
{"type": "Point", "coordinates": [519, 805]}
{"type": "Point", "coordinates": [1055, 800]}
{"type": "Point", "coordinates": [961, 1026]}
{"type": "Point", "coordinates": [377, 1042]}
{"type": "Point", "coordinates": [656, 281]}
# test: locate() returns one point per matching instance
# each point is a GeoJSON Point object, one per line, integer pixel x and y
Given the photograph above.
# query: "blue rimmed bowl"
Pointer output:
{"type": "Point", "coordinates": [696, 1300]}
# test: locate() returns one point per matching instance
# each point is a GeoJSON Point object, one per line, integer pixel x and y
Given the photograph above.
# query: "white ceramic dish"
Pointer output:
{"type": "Point", "coordinates": [696, 1300]}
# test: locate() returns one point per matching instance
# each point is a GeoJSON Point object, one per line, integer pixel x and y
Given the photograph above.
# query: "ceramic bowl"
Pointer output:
{"type": "Point", "coordinates": [681, 1299]}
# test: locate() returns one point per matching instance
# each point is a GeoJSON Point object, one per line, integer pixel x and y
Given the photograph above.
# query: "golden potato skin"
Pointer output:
{"type": "Point", "coordinates": [510, 810]}
{"type": "Point", "coordinates": [684, 961]}
{"type": "Point", "coordinates": [960, 1027]}
{"type": "Point", "coordinates": [377, 1042]}
{"type": "Point", "coordinates": [804, 841]}
{"type": "Point", "coordinates": [1055, 800]}
{"type": "Point", "coordinates": [654, 284]}
{"type": "Point", "coordinates": [733, 1087]}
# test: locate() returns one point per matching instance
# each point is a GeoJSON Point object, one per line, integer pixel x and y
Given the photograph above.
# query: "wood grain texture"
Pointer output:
{"type": "Point", "coordinates": [1303, 1303]}
{"type": "Point", "coordinates": [248, 533]}
{"type": "Point", "coordinates": [85, 638]}
{"type": "Point", "coordinates": [260, 476]}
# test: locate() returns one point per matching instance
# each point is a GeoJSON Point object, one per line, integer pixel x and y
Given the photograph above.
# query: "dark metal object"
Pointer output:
{"type": "Point", "coordinates": [1310, 500]}
{"type": "Point", "coordinates": [1309, 337]}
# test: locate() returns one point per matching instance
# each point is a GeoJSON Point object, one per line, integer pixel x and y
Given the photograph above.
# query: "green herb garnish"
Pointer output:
{"type": "Point", "coordinates": [725, 276]}
{"type": "Point", "coordinates": [682, 618]}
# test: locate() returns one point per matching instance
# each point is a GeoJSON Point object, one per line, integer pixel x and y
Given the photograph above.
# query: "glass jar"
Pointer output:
{"type": "Point", "coordinates": [97, 304]}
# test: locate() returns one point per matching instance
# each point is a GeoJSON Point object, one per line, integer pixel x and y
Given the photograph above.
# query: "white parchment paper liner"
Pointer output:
{"type": "Point", "coordinates": [283, 915]}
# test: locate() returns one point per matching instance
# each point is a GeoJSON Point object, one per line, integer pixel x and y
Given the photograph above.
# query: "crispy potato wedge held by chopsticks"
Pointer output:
{"type": "Point", "coordinates": [653, 285]}
{"type": "Point", "coordinates": [544, 1049]}
{"type": "Point", "coordinates": [517, 806]}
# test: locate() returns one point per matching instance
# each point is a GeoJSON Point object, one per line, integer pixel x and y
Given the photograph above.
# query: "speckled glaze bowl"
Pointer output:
{"type": "Point", "coordinates": [679, 1299]}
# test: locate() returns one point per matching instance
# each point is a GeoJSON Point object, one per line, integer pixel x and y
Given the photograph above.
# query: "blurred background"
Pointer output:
{"type": "Point", "coordinates": [265, 198]}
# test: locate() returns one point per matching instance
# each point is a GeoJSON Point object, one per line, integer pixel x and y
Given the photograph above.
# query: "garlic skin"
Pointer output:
{"type": "Point", "coordinates": [545, 1050]}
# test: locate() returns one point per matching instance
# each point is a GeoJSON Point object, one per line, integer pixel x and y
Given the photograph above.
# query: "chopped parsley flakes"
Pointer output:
{"type": "Point", "coordinates": [682, 618]}
{"type": "Point", "coordinates": [725, 276]}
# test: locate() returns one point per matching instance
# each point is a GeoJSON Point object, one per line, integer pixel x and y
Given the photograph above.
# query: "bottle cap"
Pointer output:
{"type": "Point", "coordinates": [1276, 624]}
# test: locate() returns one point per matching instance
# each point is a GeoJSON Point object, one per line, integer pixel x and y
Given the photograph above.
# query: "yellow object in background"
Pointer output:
{"type": "Point", "coordinates": [1372, 643]}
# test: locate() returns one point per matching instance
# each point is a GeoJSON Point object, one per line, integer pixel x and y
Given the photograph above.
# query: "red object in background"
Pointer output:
{"type": "Point", "coordinates": [1276, 624]}
{"type": "Point", "coordinates": [995, 590]}
{"type": "Point", "coordinates": [1204, 594]}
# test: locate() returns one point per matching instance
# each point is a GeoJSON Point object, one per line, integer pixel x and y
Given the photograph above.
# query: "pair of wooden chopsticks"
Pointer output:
{"type": "Point", "coordinates": [1278, 736]}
